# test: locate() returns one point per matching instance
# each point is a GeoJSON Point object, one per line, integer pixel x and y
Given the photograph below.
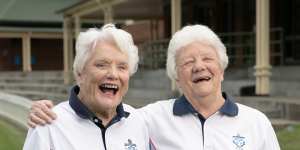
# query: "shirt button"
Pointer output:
{"type": "Point", "coordinates": [96, 120]}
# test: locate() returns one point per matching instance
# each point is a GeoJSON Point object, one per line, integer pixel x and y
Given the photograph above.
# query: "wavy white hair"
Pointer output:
{"type": "Point", "coordinates": [190, 34]}
{"type": "Point", "coordinates": [86, 43]}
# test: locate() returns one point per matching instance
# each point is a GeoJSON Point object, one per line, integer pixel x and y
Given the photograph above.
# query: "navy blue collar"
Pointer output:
{"type": "Point", "coordinates": [83, 111]}
{"type": "Point", "coordinates": [182, 106]}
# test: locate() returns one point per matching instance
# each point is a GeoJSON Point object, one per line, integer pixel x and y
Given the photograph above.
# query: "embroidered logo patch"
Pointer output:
{"type": "Point", "coordinates": [239, 141]}
{"type": "Point", "coordinates": [130, 145]}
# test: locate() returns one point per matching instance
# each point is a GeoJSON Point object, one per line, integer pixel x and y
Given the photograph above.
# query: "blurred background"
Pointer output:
{"type": "Point", "coordinates": [262, 38]}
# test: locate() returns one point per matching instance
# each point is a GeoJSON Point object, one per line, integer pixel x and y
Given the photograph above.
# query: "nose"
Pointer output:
{"type": "Point", "coordinates": [198, 66]}
{"type": "Point", "coordinates": [112, 73]}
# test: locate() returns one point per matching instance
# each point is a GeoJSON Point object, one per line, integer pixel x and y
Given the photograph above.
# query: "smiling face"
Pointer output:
{"type": "Point", "coordinates": [199, 71]}
{"type": "Point", "coordinates": [104, 79]}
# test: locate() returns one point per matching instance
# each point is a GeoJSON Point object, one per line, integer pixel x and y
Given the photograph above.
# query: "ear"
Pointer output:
{"type": "Point", "coordinates": [222, 75]}
{"type": "Point", "coordinates": [79, 78]}
{"type": "Point", "coordinates": [177, 83]}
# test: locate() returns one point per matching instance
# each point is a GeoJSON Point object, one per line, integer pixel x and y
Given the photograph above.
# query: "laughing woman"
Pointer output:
{"type": "Point", "coordinates": [95, 118]}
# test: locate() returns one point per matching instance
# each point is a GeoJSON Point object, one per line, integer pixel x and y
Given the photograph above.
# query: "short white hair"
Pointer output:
{"type": "Point", "coordinates": [87, 41]}
{"type": "Point", "coordinates": [188, 35]}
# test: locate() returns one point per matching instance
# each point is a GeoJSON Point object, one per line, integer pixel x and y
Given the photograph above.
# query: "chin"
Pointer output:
{"type": "Point", "coordinates": [203, 93]}
{"type": "Point", "coordinates": [109, 106]}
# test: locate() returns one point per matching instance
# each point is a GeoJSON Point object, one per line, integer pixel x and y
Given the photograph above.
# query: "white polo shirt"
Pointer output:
{"type": "Point", "coordinates": [175, 125]}
{"type": "Point", "coordinates": [77, 128]}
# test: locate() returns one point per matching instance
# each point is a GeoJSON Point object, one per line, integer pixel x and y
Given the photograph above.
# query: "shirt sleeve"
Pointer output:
{"type": "Point", "coordinates": [270, 140]}
{"type": "Point", "coordinates": [38, 139]}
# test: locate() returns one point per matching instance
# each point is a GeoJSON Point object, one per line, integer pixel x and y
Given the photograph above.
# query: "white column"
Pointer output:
{"type": "Point", "coordinates": [175, 15]}
{"type": "Point", "coordinates": [263, 67]}
{"type": "Point", "coordinates": [108, 14]}
{"type": "Point", "coordinates": [68, 50]}
{"type": "Point", "coordinates": [175, 24]}
{"type": "Point", "coordinates": [26, 52]}
{"type": "Point", "coordinates": [77, 23]}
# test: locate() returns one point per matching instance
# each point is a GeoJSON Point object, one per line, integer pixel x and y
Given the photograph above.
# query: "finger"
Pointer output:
{"type": "Point", "coordinates": [48, 103]}
{"type": "Point", "coordinates": [45, 106]}
{"type": "Point", "coordinates": [33, 118]}
{"type": "Point", "coordinates": [48, 111]}
{"type": "Point", "coordinates": [31, 124]}
{"type": "Point", "coordinates": [40, 113]}
{"type": "Point", "coordinates": [34, 113]}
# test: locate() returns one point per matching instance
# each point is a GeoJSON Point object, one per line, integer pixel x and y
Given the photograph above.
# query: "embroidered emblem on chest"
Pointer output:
{"type": "Point", "coordinates": [130, 145]}
{"type": "Point", "coordinates": [239, 141]}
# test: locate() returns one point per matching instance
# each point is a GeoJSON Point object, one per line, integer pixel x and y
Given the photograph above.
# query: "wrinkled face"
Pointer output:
{"type": "Point", "coordinates": [104, 79]}
{"type": "Point", "coordinates": [198, 70]}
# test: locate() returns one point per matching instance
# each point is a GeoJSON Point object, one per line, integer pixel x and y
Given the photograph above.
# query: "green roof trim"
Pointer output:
{"type": "Point", "coordinates": [33, 10]}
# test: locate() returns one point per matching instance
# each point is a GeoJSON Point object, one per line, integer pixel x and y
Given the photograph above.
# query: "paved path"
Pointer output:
{"type": "Point", "coordinates": [14, 108]}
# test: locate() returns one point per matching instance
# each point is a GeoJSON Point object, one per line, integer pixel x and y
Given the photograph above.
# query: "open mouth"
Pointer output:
{"type": "Point", "coordinates": [109, 88]}
{"type": "Point", "coordinates": [201, 79]}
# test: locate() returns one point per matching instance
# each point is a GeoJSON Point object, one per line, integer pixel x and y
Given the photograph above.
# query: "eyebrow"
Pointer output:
{"type": "Point", "coordinates": [102, 60]}
{"type": "Point", "coordinates": [124, 63]}
{"type": "Point", "coordinates": [109, 61]}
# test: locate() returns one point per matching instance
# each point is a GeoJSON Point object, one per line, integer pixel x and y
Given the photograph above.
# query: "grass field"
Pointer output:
{"type": "Point", "coordinates": [289, 138]}
{"type": "Point", "coordinates": [11, 138]}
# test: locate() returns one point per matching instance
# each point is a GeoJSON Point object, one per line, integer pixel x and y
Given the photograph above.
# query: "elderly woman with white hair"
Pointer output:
{"type": "Point", "coordinates": [95, 118]}
{"type": "Point", "coordinates": [204, 117]}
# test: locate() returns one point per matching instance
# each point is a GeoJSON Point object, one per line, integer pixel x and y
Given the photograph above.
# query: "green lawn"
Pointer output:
{"type": "Point", "coordinates": [11, 138]}
{"type": "Point", "coordinates": [289, 138]}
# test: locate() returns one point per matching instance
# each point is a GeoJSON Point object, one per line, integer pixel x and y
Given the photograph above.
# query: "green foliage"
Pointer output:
{"type": "Point", "coordinates": [11, 138]}
{"type": "Point", "coordinates": [289, 138]}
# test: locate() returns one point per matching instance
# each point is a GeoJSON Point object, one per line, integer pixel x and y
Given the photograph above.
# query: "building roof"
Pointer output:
{"type": "Point", "coordinates": [122, 9]}
{"type": "Point", "coordinates": [33, 10]}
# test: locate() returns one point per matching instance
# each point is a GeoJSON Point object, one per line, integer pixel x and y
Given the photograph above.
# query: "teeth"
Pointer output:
{"type": "Point", "coordinates": [205, 78]}
{"type": "Point", "coordinates": [201, 79]}
{"type": "Point", "coordinates": [111, 86]}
